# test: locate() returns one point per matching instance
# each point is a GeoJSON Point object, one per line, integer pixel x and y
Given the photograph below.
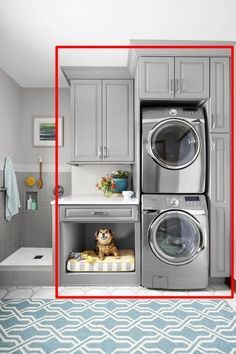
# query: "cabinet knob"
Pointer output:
{"type": "Point", "coordinates": [213, 121]}
{"type": "Point", "coordinates": [100, 152]}
{"type": "Point", "coordinates": [105, 151]}
{"type": "Point", "coordinates": [213, 144]}
{"type": "Point", "coordinates": [99, 213]}
{"type": "Point", "coordinates": [172, 86]}
{"type": "Point", "coordinates": [177, 85]}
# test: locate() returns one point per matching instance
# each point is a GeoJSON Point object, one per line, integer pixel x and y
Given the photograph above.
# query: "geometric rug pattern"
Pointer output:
{"type": "Point", "coordinates": [116, 326]}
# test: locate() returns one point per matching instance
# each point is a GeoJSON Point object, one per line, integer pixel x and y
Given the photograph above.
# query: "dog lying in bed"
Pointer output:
{"type": "Point", "coordinates": [105, 244]}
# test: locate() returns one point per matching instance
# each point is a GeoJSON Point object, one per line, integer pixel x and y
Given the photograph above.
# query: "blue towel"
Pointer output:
{"type": "Point", "coordinates": [12, 193]}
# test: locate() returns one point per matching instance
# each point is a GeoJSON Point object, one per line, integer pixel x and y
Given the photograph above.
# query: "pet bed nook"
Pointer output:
{"type": "Point", "coordinates": [92, 263]}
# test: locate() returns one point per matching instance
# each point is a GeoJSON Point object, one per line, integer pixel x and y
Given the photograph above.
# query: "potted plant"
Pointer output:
{"type": "Point", "coordinates": [120, 179]}
{"type": "Point", "coordinates": [107, 185]}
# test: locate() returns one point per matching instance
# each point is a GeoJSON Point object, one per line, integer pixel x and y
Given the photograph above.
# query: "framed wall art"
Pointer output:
{"type": "Point", "coordinates": [44, 131]}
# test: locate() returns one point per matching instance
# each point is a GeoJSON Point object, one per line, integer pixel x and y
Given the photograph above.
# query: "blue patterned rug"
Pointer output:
{"type": "Point", "coordinates": [102, 326]}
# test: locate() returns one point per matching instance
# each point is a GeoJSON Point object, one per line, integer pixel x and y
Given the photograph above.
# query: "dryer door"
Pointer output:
{"type": "Point", "coordinates": [173, 143]}
{"type": "Point", "coordinates": [176, 237]}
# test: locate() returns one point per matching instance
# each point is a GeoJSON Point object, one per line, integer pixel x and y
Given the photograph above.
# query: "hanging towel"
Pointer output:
{"type": "Point", "coordinates": [12, 193]}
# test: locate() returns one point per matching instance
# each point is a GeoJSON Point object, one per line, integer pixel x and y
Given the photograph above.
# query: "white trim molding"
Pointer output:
{"type": "Point", "coordinates": [35, 167]}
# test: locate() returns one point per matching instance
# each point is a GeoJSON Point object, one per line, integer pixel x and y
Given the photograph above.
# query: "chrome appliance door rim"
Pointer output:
{"type": "Point", "coordinates": [157, 126]}
{"type": "Point", "coordinates": [173, 260]}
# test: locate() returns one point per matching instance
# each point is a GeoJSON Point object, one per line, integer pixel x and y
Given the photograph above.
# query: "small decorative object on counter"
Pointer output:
{"type": "Point", "coordinates": [114, 183]}
{"type": "Point", "coordinates": [30, 181]}
{"type": "Point", "coordinates": [121, 180]}
{"type": "Point", "coordinates": [29, 203]}
{"type": "Point", "coordinates": [34, 205]}
{"type": "Point", "coordinates": [107, 185]}
{"type": "Point", "coordinates": [60, 191]}
{"type": "Point", "coordinates": [128, 194]}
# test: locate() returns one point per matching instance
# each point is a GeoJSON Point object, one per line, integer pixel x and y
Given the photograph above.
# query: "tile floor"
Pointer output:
{"type": "Point", "coordinates": [39, 292]}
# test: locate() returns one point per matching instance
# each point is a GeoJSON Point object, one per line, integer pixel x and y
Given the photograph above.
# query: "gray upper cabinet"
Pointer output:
{"type": "Point", "coordinates": [157, 77]}
{"type": "Point", "coordinates": [86, 120]}
{"type": "Point", "coordinates": [192, 78]}
{"type": "Point", "coordinates": [117, 120]}
{"type": "Point", "coordinates": [174, 78]}
{"type": "Point", "coordinates": [102, 121]}
{"type": "Point", "coordinates": [220, 114]}
{"type": "Point", "coordinates": [219, 206]}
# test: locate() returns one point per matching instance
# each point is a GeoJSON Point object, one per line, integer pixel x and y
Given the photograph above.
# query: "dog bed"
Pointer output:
{"type": "Point", "coordinates": [110, 264]}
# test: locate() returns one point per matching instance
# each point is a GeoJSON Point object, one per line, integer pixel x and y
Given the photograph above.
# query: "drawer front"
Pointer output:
{"type": "Point", "coordinates": [71, 213]}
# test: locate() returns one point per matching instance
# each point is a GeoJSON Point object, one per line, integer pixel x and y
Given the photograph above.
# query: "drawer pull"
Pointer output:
{"type": "Point", "coordinates": [99, 213]}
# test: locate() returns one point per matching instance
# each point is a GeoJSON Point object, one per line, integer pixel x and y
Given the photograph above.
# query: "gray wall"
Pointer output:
{"type": "Point", "coordinates": [36, 226]}
{"type": "Point", "coordinates": [39, 102]}
{"type": "Point", "coordinates": [10, 105]}
{"type": "Point", "coordinates": [9, 142]}
{"type": "Point", "coordinates": [18, 106]}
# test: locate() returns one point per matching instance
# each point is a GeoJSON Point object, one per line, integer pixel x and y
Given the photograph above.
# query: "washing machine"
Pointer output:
{"type": "Point", "coordinates": [173, 150]}
{"type": "Point", "coordinates": [175, 242]}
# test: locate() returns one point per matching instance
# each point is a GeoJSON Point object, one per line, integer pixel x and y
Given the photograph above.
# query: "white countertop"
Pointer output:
{"type": "Point", "coordinates": [95, 199]}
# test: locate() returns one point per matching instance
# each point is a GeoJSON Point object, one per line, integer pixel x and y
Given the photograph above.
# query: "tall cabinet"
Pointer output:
{"type": "Point", "coordinates": [219, 186]}
{"type": "Point", "coordinates": [200, 76]}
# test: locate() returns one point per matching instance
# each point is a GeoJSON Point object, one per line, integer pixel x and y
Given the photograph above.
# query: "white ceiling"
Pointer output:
{"type": "Point", "coordinates": [30, 29]}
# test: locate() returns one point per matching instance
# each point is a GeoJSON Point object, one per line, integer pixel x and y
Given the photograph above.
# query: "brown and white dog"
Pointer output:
{"type": "Point", "coordinates": [105, 244]}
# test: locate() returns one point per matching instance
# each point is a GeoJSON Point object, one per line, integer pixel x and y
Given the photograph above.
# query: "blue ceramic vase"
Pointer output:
{"type": "Point", "coordinates": [121, 185]}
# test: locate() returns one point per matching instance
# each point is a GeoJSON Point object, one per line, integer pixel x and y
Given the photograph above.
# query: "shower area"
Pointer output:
{"type": "Point", "coordinates": [26, 241]}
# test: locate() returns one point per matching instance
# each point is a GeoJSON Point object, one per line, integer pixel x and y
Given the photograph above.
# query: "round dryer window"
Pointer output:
{"type": "Point", "coordinates": [175, 237]}
{"type": "Point", "coordinates": [173, 143]}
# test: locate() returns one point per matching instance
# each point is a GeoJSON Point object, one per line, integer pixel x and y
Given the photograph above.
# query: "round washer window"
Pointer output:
{"type": "Point", "coordinates": [175, 237]}
{"type": "Point", "coordinates": [174, 144]}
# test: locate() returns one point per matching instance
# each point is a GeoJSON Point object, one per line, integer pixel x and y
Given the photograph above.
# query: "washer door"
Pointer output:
{"type": "Point", "coordinates": [173, 144]}
{"type": "Point", "coordinates": [176, 237]}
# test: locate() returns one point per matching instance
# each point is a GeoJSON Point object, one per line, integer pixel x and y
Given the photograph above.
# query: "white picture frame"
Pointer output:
{"type": "Point", "coordinates": [44, 131]}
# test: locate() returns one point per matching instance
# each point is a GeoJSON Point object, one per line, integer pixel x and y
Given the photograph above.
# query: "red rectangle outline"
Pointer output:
{"type": "Point", "coordinates": [56, 214]}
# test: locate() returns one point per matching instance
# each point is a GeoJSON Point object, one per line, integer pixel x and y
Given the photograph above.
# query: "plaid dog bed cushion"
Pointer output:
{"type": "Point", "coordinates": [110, 264]}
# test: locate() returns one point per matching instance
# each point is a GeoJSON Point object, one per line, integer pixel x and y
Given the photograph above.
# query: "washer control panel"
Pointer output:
{"type": "Point", "coordinates": [187, 201]}
{"type": "Point", "coordinates": [164, 202]}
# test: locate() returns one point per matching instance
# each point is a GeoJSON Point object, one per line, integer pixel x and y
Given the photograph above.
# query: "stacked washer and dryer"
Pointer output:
{"type": "Point", "coordinates": [175, 236]}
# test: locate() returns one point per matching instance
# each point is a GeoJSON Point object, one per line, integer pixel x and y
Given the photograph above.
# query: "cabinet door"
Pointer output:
{"type": "Point", "coordinates": [118, 120]}
{"type": "Point", "coordinates": [157, 77]}
{"type": "Point", "coordinates": [192, 78]}
{"type": "Point", "coordinates": [86, 120]}
{"type": "Point", "coordinates": [220, 116]}
{"type": "Point", "coordinates": [219, 206]}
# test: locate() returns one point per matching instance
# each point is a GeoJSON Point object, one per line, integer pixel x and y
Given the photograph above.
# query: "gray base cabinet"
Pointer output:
{"type": "Point", "coordinates": [174, 78]}
{"type": "Point", "coordinates": [219, 196]}
{"type": "Point", "coordinates": [102, 121]}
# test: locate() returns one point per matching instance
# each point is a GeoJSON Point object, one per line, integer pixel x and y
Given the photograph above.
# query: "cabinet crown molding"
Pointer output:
{"type": "Point", "coordinates": [216, 50]}
{"type": "Point", "coordinates": [96, 73]}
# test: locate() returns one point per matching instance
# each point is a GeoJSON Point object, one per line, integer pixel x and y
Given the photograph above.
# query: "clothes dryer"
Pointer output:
{"type": "Point", "coordinates": [173, 150]}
